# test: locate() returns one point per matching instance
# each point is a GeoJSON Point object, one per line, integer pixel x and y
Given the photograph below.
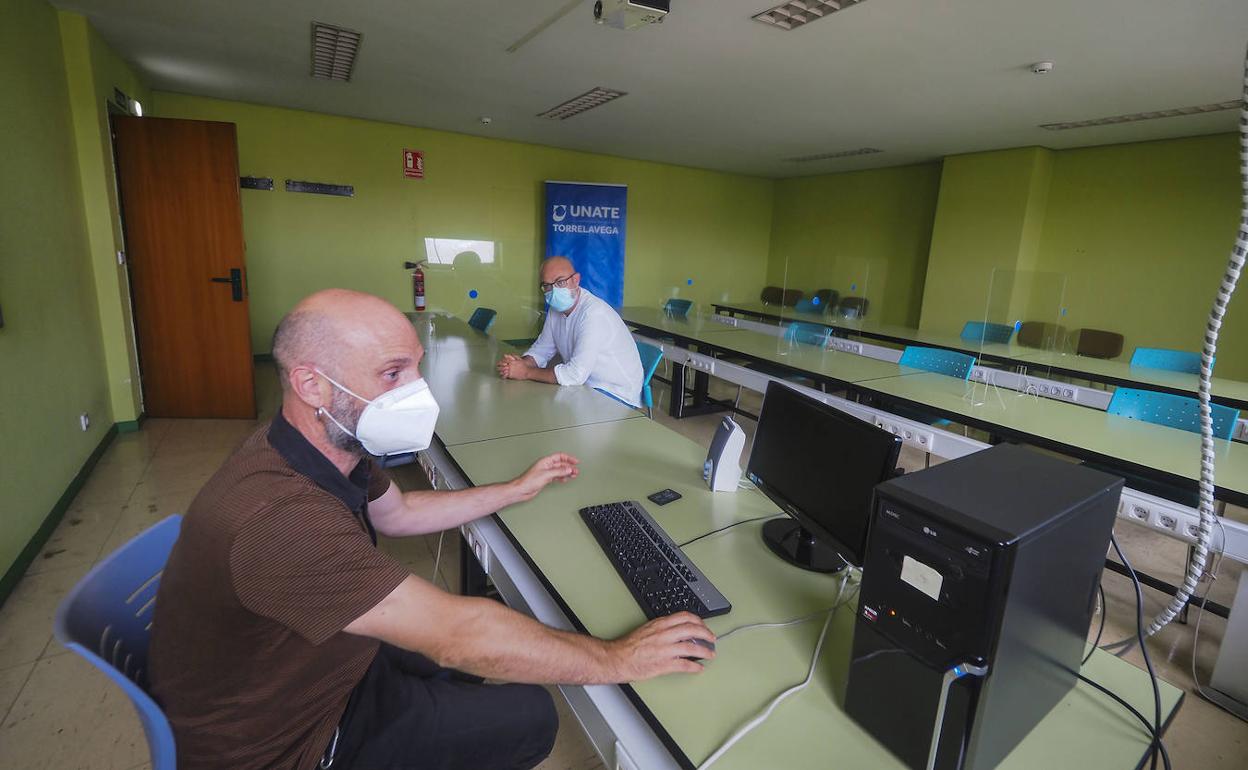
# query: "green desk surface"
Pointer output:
{"type": "Point", "coordinates": [477, 405]}
{"type": "Point", "coordinates": [902, 335]}
{"type": "Point", "coordinates": [1234, 392]}
{"type": "Point", "coordinates": [835, 364]}
{"type": "Point", "coordinates": [1149, 446]}
{"type": "Point", "coordinates": [1102, 369]}
{"type": "Point", "coordinates": [629, 459]}
{"type": "Point", "coordinates": [435, 328]}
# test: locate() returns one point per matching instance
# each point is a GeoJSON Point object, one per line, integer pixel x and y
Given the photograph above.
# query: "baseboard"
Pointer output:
{"type": "Point", "coordinates": [132, 426]}
{"type": "Point", "coordinates": [40, 538]}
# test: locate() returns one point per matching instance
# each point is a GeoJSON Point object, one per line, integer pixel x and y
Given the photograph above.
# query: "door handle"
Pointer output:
{"type": "Point", "coordinates": [235, 279]}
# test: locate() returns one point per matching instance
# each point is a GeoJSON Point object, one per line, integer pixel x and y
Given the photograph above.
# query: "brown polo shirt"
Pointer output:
{"type": "Point", "coordinates": [276, 556]}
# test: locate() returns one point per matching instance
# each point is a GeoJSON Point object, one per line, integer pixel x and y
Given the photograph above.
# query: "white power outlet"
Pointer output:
{"type": "Point", "coordinates": [84, 420]}
{"type": "Point", "coordinates": [1241, 430]}
{"type": "Point", "coordinates": [909, 434]}
{"type": "Point", "coordinates": [477, 546]}
{"type": "Point", "coordinates": [846, 346]}
{"type": "Point", "coordinates": [726, 320]}
{"type": "Point", "coordinates": [1167, 521]}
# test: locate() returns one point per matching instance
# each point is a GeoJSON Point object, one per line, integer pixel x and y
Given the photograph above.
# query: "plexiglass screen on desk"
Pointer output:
{"type": "Point", "coordinates": [1021, 326]}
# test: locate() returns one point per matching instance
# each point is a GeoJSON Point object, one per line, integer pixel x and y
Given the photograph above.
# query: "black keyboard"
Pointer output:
{"type": "Point", "coordinates": [662, 579]}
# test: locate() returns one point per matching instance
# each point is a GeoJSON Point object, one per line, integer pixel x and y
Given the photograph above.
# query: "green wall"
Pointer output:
{"type": "Point", "coordinates": [989, 211]}
{"type": "Point", "coordinates": [683, 224]}
{"type": "Point", "coordinates": [93, 71]}
{"type": "Point", "coordinates": [51, 357]}
{"type": "Point", "coordinates": [869, 229]}
{"type": "Point", "coordinates": [1143, 232]}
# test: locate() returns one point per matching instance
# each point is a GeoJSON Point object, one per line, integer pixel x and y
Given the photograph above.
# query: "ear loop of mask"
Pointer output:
{"type": "Point", "coordinates": [320, 410]}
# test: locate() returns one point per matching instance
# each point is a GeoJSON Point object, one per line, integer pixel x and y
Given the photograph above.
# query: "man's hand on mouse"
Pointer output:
{"type": "Point", "coordinates": [557, 467]}
{"type": "Point", "coordinates": [663, 646]}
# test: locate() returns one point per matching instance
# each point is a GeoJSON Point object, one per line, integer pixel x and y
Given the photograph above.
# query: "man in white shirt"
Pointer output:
{"type": "Point", "coordinates": [586, 333]}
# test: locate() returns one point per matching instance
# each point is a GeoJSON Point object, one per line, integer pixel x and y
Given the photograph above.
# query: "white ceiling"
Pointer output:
{"type": "Point", "coordinates": [919, 79]}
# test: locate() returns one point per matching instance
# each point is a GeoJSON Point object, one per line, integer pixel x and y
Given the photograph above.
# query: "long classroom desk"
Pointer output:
{"type": "Point", "coordinates": [1160, 453]}
{"type": "Point", "coordinates": [544, 561]}
{"type": "Point", "coordinates": [1233, 393]}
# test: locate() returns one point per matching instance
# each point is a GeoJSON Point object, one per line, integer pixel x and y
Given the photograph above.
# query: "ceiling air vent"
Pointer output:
{"type": "Point", "coordinates": [797, 13]}
{"type": "Point", "coordinates": [1137, 116]}
{"type": "Point", "coordinates": [832, 155]}
{"type": "Point", "coordinates": [333, 51]}
{"type": "Point", "coordinates": [594, 97]}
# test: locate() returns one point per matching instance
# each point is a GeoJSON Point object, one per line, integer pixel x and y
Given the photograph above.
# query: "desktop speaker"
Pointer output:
{"type": "Point", "coordinates": [722, 469]}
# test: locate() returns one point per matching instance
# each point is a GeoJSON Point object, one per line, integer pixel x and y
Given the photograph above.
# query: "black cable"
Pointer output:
{"type": "Point", "coordinates": [1100, 587]}
{"type": "Point", "coordinates": [1165, 756]}
{"type": "Point", "coordinates": [1139, 632]}
{"type": "Point", "coordinates": [721, 529]}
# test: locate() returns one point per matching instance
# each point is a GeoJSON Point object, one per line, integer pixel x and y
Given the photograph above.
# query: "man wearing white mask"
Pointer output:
{"type": "Point", "coordinates": [283, 638]}
{"type": "Point", "coordinates": [586, 333]}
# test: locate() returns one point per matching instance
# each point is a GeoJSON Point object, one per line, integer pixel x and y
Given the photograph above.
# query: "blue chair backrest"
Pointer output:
{"type": "Point", "coordinates": [1172, 411]}
{"type": "Point", "coordinates": [808, 334]}
{"type": "Point", "coordinates": [982, 331]}
{"type": "Point", "coordinates": [678, 307]}
{"type": "Point", "coordinates": [482, 319]}
{"type": "Point", "coordinates": [938, 360]}
{"type": "Point", "coordinates": [107, 619]}
{"type": "Point", "coordinates": [1163, 358]}
{"type": "Point", "coordinates": [650, 358]}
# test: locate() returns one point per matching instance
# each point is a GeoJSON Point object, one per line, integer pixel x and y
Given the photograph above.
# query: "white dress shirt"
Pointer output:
{"type": "Point", "coordinates": [596, 348]}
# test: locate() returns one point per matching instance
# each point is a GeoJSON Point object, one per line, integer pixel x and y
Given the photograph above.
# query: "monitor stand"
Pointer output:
{"type": "Point", "coordinates": [796, 545]}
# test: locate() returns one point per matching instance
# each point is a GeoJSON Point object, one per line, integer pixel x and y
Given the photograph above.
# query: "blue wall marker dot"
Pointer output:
{"type": "Point", "coordinates": [853, 287]}
{"type": "Point", "coordinates": [473, 294]}
{"type": "Point", "coordinates": [689, 282]}
{"type": "Point", "coordinates": [1018, 325]}
{"type": "Point", "coordinates": [814, 301]}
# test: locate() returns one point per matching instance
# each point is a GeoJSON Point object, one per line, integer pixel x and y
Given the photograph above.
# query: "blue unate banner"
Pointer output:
{"type": "Point", "coordinates": [585, 223]}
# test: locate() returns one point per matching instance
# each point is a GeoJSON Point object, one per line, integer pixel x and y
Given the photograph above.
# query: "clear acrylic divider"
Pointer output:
{"type": "Point", "coordinates": [1022, 320]}
{"type": "Point", "coordinates": [781, 298]}
{"type": "Point", "coordinates": [680, 301]}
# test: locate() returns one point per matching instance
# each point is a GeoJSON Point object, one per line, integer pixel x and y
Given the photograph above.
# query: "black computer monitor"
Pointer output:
{"type": "Point", "coordinates": [820, 465]}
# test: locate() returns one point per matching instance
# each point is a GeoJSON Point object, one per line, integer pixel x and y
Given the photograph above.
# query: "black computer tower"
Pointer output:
{"type": "Point", "coordinates": [992, 561]}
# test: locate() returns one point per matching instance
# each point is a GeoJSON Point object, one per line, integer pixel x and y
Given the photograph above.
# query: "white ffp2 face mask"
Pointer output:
{"type": "Point", "coordinates": [396, 422]}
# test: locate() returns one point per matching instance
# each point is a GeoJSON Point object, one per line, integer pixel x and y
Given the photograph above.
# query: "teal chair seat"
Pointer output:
{"type": "Point", "coordinates": [1164, 358]}
{"type": "Point", "coordinates": [482, 319]}
{"type": "Point", "coordinates": [1172, 411]}
{"type": "Point", "coordinates": [808, 334]}
{"type": "Point", "coordinates": [982, 331]}
{"type": "Point", "coordinates": [678, 308]}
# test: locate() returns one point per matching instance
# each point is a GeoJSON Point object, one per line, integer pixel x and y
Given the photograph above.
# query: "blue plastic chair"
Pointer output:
{"type": "Point", "coordinates": [482, 319]}
{"type": "Point", "coordinates": [808, 334]}
{"type": "Point", "coordinates": [650, 358]}
{"type": "Point", "coordinates": [982, 331]}
{"type": "Point", "coordinates": [1170, 360]}
{"type": "Point", "coordinates": [1172, 411]}
{"type": "Point", "coordinates": [809, 306]}
{"type": "Point", "coordinates": [107, 619]}
{"type": "Point", "coordinates": [678, 308]}
{"type": "Point", "coordinates": [940, 361]}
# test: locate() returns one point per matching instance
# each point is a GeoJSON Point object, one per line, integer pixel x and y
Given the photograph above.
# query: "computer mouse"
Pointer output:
{"type": "Point", "coordinates": [703, 643]}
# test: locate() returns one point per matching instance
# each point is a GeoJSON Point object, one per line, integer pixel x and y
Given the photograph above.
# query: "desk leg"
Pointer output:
{"type": "Point", "coordinates": [472, 579]}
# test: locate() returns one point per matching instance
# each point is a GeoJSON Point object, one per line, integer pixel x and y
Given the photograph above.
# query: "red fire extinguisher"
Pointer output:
{"type": "Point", "coordinates": [418, 284]}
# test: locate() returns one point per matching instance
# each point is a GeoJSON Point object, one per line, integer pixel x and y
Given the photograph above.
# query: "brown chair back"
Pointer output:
{"type": "Point", "coordinates": [1039, 334]}
{"type": "Point", "coordinates": [791, 297]}
{"type": "Point", "coordinates": [1097, 343]}
{"type": "Point", "coordinates": [772, 295]}
{"type": "Point", "coordinates": [856, 307]}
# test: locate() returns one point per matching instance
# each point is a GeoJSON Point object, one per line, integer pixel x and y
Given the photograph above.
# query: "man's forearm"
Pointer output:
{"type": "Point", "coordinates": [425, 511]}
{"type": "Point", "coordinates": [495, 642]}
{"type": "Point", "coordinates": [543, 374]}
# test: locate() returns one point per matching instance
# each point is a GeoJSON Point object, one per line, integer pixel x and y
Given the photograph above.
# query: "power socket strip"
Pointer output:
{"type": "Point", "coordinates": [477, 545]}
{"type": "Point", "coordinates": [910, 434]}
{"type": "Point", "coordinates": [726, 320]}
{"type": "Point", "coordinates": [701, 364]}
{"type": "Point", "coordinates": [845, 346]}
{"type": "Point", "coordinates": [1241, 431]}
{"type": "Point", "coordinates": [1169, 518]}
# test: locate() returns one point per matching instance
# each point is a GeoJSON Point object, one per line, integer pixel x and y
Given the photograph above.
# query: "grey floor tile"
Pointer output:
{"type": "Point", "coordinates": [12, 680]}
{"type": "Point", "coordinates": [26, 617]}
{"type": "Point", "coordinates": [69, 715]}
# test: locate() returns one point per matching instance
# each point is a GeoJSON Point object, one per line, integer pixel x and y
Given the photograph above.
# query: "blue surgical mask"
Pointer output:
{"type": "Point", "coordinates": [560, 299]}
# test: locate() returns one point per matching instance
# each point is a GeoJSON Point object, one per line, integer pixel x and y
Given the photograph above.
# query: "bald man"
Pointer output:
{"type": "Point", "coordinates": [586, 333]}
{"type": "Point", "coordinates": [283, 638]}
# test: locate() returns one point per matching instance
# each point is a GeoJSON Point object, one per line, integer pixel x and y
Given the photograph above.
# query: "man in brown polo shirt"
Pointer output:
{"type": "Point", "coordinates": [284, 639]}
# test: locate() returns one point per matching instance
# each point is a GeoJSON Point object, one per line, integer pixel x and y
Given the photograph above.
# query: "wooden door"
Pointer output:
{"type": "Point", "coordinates": [184, 238]}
